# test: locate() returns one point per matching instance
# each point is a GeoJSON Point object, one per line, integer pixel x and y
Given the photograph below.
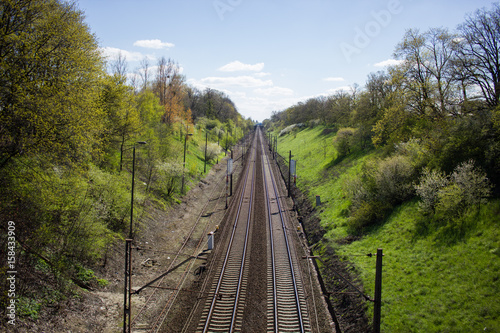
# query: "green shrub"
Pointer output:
{"type": "Point", "coordinates": [428, 188]}
{"type": "Point", "coordinates": [344, 141]}
{"type": "Point", "coordinates": [381, 185]}
{"type": "Point", "coordinates": [356, 191]}
{"type": "Point", "coordinates": [213, 150]}
{"type": "Point", "coordinates": [473, 181]}
{"type": "Point", "coordinates": [168, 178]}
{"type": "Point", "coordinates": [394, 180]}
{"type": "Point", "coordinates": [367, 214]}
{"type": "Point", "coordinates": [415, 150]}
{"type": "Point", "coordinates": [450, 203]}
{"type": "Point", "coordinates": [28, 307]}
{"type": "Point", "coordinates": [449, 197]}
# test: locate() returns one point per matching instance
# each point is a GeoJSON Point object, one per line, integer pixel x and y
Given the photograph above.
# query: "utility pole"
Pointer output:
{"type": "Point", "coordinates": [272, 144]}
{"type": "Point", "coordinates": [289, 172]}
{"type": "Point", "coordinates": [227, 138]}
{"type": "Point", "coordinates": [231, 186]}
{"type": "Point", "coordinates": [184, 162]}
{"type": "Point", "coordinates": [127, 291]}
{"type": "Point", "coordinates": [377, 304]}
{"type": "Point", "coordinates": [276, 145]}
{"type": "Point", "coordinates": [206, 143]}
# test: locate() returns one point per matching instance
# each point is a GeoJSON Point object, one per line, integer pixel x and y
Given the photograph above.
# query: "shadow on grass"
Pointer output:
{"type": "Point", "coordinates": [348, 160]}
{"type": "Point", "coordinates": [446, 232]}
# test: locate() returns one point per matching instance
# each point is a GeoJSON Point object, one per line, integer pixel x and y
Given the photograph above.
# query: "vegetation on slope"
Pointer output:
{"type": "Point", "coordinates": [437, 276]}
{"type": "Point", "coordinates": [410, 164]}
{"type": "Point", "coordinates": [67, 132]}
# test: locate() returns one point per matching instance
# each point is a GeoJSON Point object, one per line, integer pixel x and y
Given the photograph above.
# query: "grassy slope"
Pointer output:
{"type": "Point", "coordinates": [195, 157]}
{"type": "Point", "coordinates": [429, 285]}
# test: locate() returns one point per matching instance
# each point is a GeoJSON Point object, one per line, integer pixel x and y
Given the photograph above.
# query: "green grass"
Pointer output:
{"type": "Point", "coordinates": [195, 157]}
{"type": "Point", "coordinates": [430, 283]}
{"type": "Point", "coordinates": [321, 174]}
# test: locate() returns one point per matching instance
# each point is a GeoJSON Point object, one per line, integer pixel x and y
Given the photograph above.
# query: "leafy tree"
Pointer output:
{"type": "Point", "coordinates": [123, 121]}
{"type": "Point", "coordinates": [49, 69]}
{"type": "Point", "coordinates": [173, 101]}
{"type": "Point", "coordinates": [150, 110]}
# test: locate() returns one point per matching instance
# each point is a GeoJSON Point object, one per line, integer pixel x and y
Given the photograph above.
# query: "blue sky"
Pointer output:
{"type": "Point", "coordinates": [267, 55]}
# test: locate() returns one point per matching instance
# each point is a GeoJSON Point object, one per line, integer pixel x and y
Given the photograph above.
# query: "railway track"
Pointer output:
{"type": "Point", "coordinates": [224, 310]}
{"type": "Point", "coordinates": [225, 306]}
{"type": "Point", "coordinates": [286, 300]}
{"type": "Point", "coordinates": [203, 222]}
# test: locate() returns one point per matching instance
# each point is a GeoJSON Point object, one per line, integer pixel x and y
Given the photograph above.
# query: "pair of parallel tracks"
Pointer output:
{"type": "Point", "coordinates": [215, 203]}
{"type": "Point", "coordinates": [286, 300]}
{"type": "Point", "coordinates": [225, 306]}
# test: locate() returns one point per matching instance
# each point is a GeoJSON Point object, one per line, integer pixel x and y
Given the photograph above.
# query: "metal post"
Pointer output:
{"type": "Point", "coordinates": [129, 242]}
{"type": "Point", "coordinates": [289, 172]}
{"type": "Point", "coordinates": [127, 291]}
{"type": "Point", "coordinates": [274, 147]}
{"type": "Point", "coordinates": [126, 305]}
{"type": "Point", "coordinates": [378, 293]}
{"type": "Point", "coordinates": [227, 180]}
{"type": "Point", "coordinates": [132, 194]}
{"type": "Point", "coordinates": [184, 162]}
{"type": "Point", "coordinates": [206, 143]}
{"type": "Point", "coordinates": [231, 186]}
{"type": "Point", "coordinates": [218, 144]}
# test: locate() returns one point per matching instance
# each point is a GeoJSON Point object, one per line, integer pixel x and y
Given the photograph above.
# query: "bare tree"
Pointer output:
{"type": "Point", "coordinates": [427, 71]}
{"type": "Point", "coordinates": [164, 75]}
{"type": "Point", "coordinates": [144, 73]}
{"type": "Point", "coordinates": [119, 66]}
{"type": "Point", "coordinates": [481, 51]}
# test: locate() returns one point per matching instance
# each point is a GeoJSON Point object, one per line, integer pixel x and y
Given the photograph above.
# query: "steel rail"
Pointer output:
{"type": "Point", "coordinates": [290, 261]}
{"type": "Point", "coordinates": [271, 237]}
{"type": "Point", "coordinates": [212, 263]}
{"type": "Point", "coordinates": [179, 252]}
{"type": "Point", "coordinates": [228, 254]}
{"type": "Point", "coordinates": [182, 279]}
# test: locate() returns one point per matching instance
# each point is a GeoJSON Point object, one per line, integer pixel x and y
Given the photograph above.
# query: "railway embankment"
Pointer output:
{"type": "Point", "coordinates": [440, 272]}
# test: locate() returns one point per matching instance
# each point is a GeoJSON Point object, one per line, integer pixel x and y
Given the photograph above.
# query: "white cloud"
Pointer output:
{"type": "Point", "coordinates": [111, 53]}
{"type": "Point", "coordinates": [274, 91]}
{"type": "Point", "coordinates": [242, 81]}
{"type": "Point", "coordinates": [153, 44]}
{"type": "Point", "coordinates": [239, 66]}
{"type": "Point", "coordinates": [388, 62]}
{"type": "Point", "coordinates": [261, 74]}
{"type": "Point", "coordinates": [336, 90]}
{"type": "Point", "coordinates": [334, 79]}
